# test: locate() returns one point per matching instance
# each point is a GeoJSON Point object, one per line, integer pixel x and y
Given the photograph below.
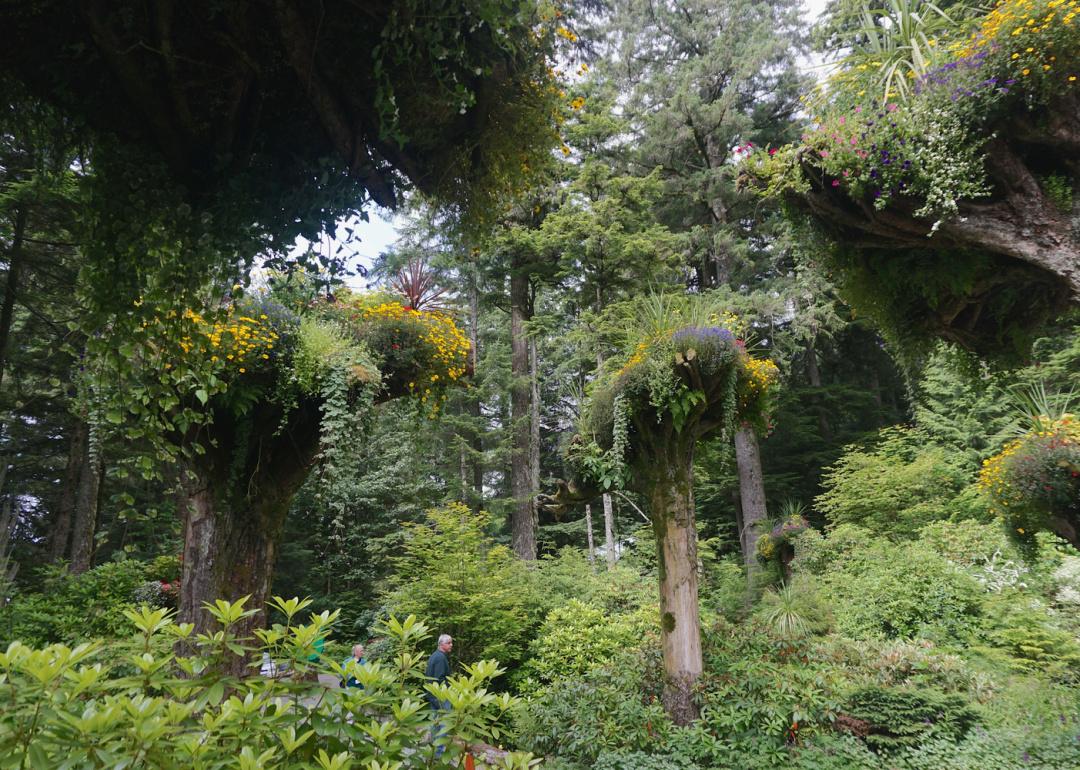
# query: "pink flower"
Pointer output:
{"type": "Point", "coordinates": [824, 153]}
{"type": "Point", "coordinates": [836, 183]}
{"type": "Point", "coordinates": [858, 109]}
{"type": "Point", "coordinates": [842, 120]}
{"type": "Point", "coordinates": [852, 141]}
{"type": "Point", "coordinates": [772, 151]}
{"type": "Point", "coordinates": [846, 172]}
{"type": "Point", "coordinates": [892, 107]}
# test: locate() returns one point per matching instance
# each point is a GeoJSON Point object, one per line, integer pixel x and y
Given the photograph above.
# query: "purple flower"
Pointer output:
{"type": "Point", "coordinates": [703, 334]}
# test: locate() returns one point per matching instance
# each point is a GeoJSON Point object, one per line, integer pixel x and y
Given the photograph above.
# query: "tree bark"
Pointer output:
{"type": "Point", "coordinates": [476, 444]}
{"type": "Point", "coordinates": [534, 434]}
{"type": "Point", "coordinates": [670, 489]}
{"type": "Point", "coordinates": [589, 534]}
{"type": "Point", "coordinates": [814, 375]}
{"type": "Point", "coordinates": [11, 286]}
{"type": "Point", "coordinates": [752, 492]}
{"type": "Point", "coordinates": [523, 527]}
{"type": "Point", "coordinates": [609, 531]}
{"type": "Point", "coordinates": [65, 509]}
{"type": "Point", "coordinates": [87, 499]}
{"type": "Point", "coordinates": [235, 498]}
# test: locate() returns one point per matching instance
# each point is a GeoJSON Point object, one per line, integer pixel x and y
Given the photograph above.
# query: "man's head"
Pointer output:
{"type": "Point", "coordinates": [358, 651]}
{"type": "Point", "coordinates": [446, 643]}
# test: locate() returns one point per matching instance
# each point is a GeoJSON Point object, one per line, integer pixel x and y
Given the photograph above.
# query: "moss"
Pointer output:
{"type": "Point", "coordinates": [667, 620]}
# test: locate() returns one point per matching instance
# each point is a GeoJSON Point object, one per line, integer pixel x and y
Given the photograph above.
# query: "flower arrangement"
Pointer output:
{"type": "Point", "coordinates": [233, 341]}
{"type": "Point", "coordinates": [925, 143]}
{"type": "Point", "coordinates": [684, 364]}
{"type": "Point", "coordinates": [422, 352]}
{"type": "Point", "coordinates": [771, 543]}
{"type": "Point", "coordinates": [1036, 477]}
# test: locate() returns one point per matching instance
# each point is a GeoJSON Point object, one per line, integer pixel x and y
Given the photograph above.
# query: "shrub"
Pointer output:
{"type": "Point", "coordinates": [900, 591]}
{"type": "Point", "coordinates": [454, 575]}
{"type": "Point", "coordinates": [79, 607]}
{"type": "Point", "coordinates": [1016, 624]}
{"type": "Point", "coordinates": [889, 719]}
{"type": "Point", "coordinates": [895, 487]}
{"type": "Point", "coordinates": [67, 707]}
{"type": "Point", "coordinates": [636, 760]}
{"type": "Point", "coordinates": [578, 637]}
{"type": "Point", "coordinates": [613, 708]}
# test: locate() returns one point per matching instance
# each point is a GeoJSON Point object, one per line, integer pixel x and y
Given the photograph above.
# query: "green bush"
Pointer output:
{"type": "Point", "coordinates": [454, 576]}
{"type": "Point", "coordinates": [578, 637]}
{"type": "Point", "coordinates": [636, 760]}
{"type": "Point", "coordinates": [890, 718]}
{"type": "Point", "coordinates": [1016, 624]}
{"type": "Point", "coordinates": [895, 487]}
{"type": "Point", "coordinates": [902, 590]}
{"type": "Point", "coordinates": [569, 575]}
{"type": "Point", "coordinates": [73, 608]}
{"type": "Point", "coordinates": [75, 707]}
{"type": "Point", "coordinates": [614, 708]}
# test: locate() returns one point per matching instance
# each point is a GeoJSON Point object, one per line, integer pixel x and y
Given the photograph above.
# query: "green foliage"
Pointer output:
{"type": "Point", "coordinates": [895, 590]}
{"type": "Point", "coordinates": [637, 760]}
{"type": "Point", "coordinates": [318, 345]}
{"type": "Point", "coordinates": [453, 574]}
{"type": "Point", "coordinates": [74, 705]}
{"type": "Point", "coordinates": [1059, 189]}
{"type": "Point", "coordinates": [682, 359]}
{"type": "Point", "coordinates": [895, 718]}
{"type": "Point", "coordinates": [1024, 630]}
{"type": "Point", "coordinates": [795, 610]}
{"type": "Point", "coordinates": [578, 637]}
{"type": "Point", "coordinates": [613, 708]}
{"type": "Point", "coordinates": [894, 487]}
{"type": "Point", "coordinates": [72, 608]}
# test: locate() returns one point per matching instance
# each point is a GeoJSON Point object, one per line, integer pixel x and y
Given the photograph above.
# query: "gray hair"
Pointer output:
{"type": "Point", "coordinates": [444, 638]}
{"type": "Point", "coordinates": [359, 647]}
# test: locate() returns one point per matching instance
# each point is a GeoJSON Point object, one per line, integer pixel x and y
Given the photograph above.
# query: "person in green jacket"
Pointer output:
{"type": "Point", "coordinates": [438, 670]}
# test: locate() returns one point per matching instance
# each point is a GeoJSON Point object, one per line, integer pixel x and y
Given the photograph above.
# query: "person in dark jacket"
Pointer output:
{"type": "Point", "coordinates": [438, 671]}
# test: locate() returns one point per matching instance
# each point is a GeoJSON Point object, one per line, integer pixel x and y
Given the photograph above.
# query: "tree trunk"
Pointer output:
{"type": "Point", "coordinates": [752, 492]}
{"type": "Point", "coordinates": [523, 528]}
{"type": "Point", "coordinates": [65, 509]}
{"type": "Point", "coordinates": [475, 436]}
{"type": "Point", "coordinates": [670, 490]}
{"type": "Point", "coordinates": [234, 501]}
{"type": "Point", "coordinates": [534, 435]}
{"type": "Point", "coordinates": [814, 374]}
{"type": "Point", "coordinates": [11, 286]}
{"type": "Point", "coordinates": [228, 553]}
{"type": "Point", "coordinates": [609, 509]}
{"type": "Point", "coordinates": [87, 499]}
{"type": "Point", "coordinates": [588, 533]}
{"type": "Point", "coordinates": [609, 530]}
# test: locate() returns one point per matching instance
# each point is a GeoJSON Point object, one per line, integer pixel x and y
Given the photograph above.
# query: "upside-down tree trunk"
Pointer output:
{"type": "Point", "coordinates": [668, 482]}
{"type": "Point", "coordinates": [235, 498]}
{"type": "Point", "coordinates": [752, 492]}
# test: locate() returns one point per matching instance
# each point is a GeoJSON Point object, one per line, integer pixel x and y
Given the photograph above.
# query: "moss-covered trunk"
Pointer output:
{"type": "Point", "coordinates": [235, 499]}
{"type": "Point", "coordinates": [669, 484]}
